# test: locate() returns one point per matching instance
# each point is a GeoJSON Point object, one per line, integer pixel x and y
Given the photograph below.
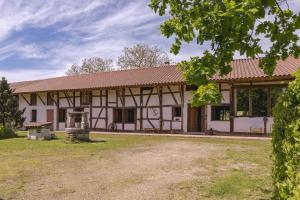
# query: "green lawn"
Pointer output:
{"type": "Point", "coordinates": [216, 169]}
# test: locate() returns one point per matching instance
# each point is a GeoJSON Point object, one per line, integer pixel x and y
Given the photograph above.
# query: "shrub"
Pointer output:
{"type": "Point", "coordinates": [6, 132]}
{"type": "Point", "coordinates": [286, 143]}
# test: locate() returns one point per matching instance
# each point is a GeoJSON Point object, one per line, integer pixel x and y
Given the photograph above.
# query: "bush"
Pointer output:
{"type": "Point", "coordinates": [286, 143]}
{"type": "Point", "coordinates": [6, 132]}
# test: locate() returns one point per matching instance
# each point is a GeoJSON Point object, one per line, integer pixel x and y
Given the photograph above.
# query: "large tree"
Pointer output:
{"type": "Point", "coordinates": [10, 115]}
{"type": "Point", "coordinates": [142, 55]}
{"type": "Point", "coordinates": [91, 65]}
{"type": "Point", "coordinates": [228, 27]}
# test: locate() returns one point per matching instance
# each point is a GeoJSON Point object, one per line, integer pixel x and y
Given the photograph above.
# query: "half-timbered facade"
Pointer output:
{"type": "Point", "coordinates": [158, 99]}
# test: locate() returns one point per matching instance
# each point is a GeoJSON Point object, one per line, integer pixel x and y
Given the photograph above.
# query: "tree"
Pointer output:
{"type": "Point", "coordinates": [286, 143]}
{"type": "Point", "coordinates": [142, 55]}
{"type": "Point", "coordinates": [229, 27]}
{"type": "Point", "coordinates": [91, 65]}
{"type": "Point", "coordinates": [10, 115]}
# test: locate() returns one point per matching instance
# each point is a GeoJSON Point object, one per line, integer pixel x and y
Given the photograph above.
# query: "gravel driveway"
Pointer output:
{"type": "Point", "coordinates": [153, 171]}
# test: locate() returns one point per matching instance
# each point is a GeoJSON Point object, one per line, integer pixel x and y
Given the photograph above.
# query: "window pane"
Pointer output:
{"type": "Point", "coordinates": [33, 115]}
{"type": "Point", "coordinates": [259, 102]}
{"type": "Point", "coordinates": [176, 111]}
{"type": "Point", "coordinates": [118, 115]}
{"type": "Point", "coordinates": [129, 115]}
{"type": "Point", "coordinates": [242, 106]}
{"type": "Point", "coordinates": [220, 113]}
{"type": "Point", "coordinates": [62, 115]}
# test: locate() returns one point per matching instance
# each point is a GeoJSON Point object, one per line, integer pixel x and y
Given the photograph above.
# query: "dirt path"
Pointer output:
{"type": "Point", "coordinates": [149, 172]}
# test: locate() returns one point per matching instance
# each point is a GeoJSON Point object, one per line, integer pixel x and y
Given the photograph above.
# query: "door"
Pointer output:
{"type": "Point", "coordinates": [50, 118]}
{"type": "Point", "coordinates": [194, 119]}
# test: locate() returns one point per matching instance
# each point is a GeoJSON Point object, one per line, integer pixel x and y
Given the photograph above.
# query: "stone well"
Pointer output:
{"type": "Point", "coordinates": [77, 127]}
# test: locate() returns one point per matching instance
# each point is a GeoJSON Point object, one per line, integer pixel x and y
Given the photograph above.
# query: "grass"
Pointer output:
{"type": "Point", "coordinates": [239, 170]}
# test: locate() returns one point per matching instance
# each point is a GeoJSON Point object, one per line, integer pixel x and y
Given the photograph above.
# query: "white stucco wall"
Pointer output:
{"type": "Point", "coordinates": [241, 124]}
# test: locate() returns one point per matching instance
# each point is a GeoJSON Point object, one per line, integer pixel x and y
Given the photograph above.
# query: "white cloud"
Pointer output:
{"type": "Point", "coordinates": [89, 28]}
{"type": "Point", "coordinates": [29, 74]}
{"type": "Point", "coordinates": [16, 14]}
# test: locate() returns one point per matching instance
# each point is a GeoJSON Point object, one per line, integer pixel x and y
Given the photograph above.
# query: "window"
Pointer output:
{"type": "Point", "coordinates": [33, 115]}
{"type": "Point", "coordinates": [259, 99]}
{"type": "Point", "coordinates": [176, 111]}
{"type": "Point", "coordinates": [242, 106]}
{"type": "Point", "coordinates": [86, 98]}
{"type": "Point", "coordinates": [129, 115]}
{"type": "Point", "coordinates": [257, 102]}
{"type": "Point", "coordinates": [118, 115]}
{"type": "Point", "coordinates": [220, 113]}
{"type": "Point", "coordinates": [50, 97]}
{"type": "Point", "coordinates": [62, 115]}
{"type": "Point", "coordinates": [33, 99]}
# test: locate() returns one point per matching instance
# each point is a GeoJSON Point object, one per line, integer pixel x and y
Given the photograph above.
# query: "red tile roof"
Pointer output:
{"type": "Point", "coordinates": [242, 69]}
{"type": "Point", "coordinates": [246, 69]}
{"type": "Point", "coordinates": [134, 77]}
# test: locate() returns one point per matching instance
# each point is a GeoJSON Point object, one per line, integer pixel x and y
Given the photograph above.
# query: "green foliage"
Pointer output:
{"type": "Point", "coordinates": [206, 94]}
{"type": "Point", "coordinates": [226, 27]}
{"type": "Point", "coordinates": [6, 132]}
{"type": "Point", "coordinates": [10, 115]}
{"type": "Point", "coordinates": [286, 143]}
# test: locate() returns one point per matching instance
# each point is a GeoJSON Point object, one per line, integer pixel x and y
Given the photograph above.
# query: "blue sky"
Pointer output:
{"type": "Point", "coordinates": [40, 39]}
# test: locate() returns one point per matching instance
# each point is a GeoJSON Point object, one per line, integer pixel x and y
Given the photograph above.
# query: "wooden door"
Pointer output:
{"type": "Point", "coordinates": [50, 117]}
{"type": "Point", "coordinates": [194, 119]}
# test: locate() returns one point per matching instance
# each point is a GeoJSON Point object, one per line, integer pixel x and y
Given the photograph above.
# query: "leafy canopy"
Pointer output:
{"type": "Point", "coordinates": [90, 65]}
{"type": "Point", "coordinates": [142, 55]}
{"type": "Point", "coordinates": [286, 143]}
{"type": "Point", "coordinates": [10, 115]}
{"type": "Point", "coordinates": [229, 27]}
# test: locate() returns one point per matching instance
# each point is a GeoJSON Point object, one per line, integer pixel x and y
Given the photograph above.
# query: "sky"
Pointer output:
{"type": "Point", "coordinates": [41, 39]}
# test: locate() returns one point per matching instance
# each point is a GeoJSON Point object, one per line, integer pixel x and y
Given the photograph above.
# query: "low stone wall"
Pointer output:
{"type": "Point", "coordinates": [76, 134]}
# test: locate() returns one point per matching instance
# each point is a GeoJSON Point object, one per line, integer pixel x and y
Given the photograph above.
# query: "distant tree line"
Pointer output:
{"type": "Point", "coordinates": [137, 56]}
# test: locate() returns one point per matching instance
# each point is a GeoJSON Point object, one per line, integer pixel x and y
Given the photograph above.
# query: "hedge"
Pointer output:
{"type": "Point", "coordinates": [286, 143]}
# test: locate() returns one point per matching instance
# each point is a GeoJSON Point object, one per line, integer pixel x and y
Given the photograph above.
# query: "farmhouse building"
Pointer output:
{"type": "Point", "coordinates": [158, 99]}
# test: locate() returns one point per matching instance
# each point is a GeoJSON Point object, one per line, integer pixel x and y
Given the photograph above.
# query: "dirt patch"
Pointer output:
{"type": "Point", "coordinates": [140, 173]}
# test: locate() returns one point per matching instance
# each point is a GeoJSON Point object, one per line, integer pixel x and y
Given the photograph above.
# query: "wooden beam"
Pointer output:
{"type": "Point", "coordinates": [131, 93]}
{"type": "Point", "coordinates": [91, 109]}
{"type": "Point", "coordinates": [160, 98]}
{"type": "Point", "coordinates": [232, 109]}
{"type": "Point", "coordinates": [74, 99]}
{"type": "Point", "coordinates": [100, 97]}
{"type": "Point", "coordinates": [150, 123]}
{"type": "Point", "coordinates": [106, 110]}
{"type": "Point", "coordinates": [67, 99]}
{"type": "Point", "coordinates": [173, 96]}
{"type": "Point", "coordinates": [100, 112]}
{"type": "Point", "coordinates": [43, 102]}
{"type": "Point", "coordinates": [149, 96]}
{"type": "Point", "coordinates": [25, 99]}
{"type": "Point", "coordinates": [117, 97]}
{"type": "Point", "coordinates": [141, 109]}
{"type": "Point", "coordinates": [71, 101]}
{"type": "Point", "coordinates": [52, 97]}
{"type": "Point", "coordinates": [123, 107]}
{"type": "Point", "coordinates": [182, 105]}
{"type": "Point", "coordinates": [57, 111]}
